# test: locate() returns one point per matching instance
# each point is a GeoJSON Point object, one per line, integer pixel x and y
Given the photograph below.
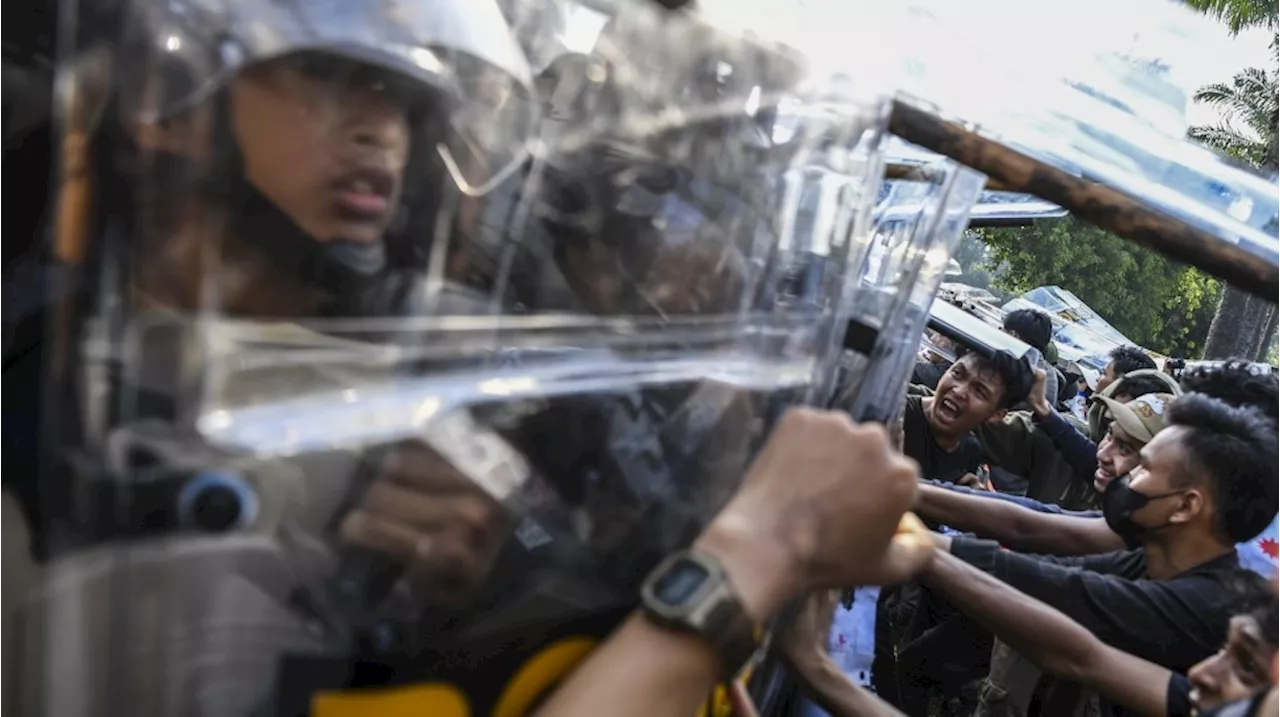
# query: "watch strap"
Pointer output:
{"type": "Point", "coordinates": [718, 618]}
{"type": "Point", "coordinates": [732, 634]}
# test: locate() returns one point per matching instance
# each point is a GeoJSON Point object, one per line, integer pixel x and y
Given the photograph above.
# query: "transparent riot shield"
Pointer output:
{"type": "Point", "coordinates": [404, 361]}
{"type": "Point", "coordinates": [1102, 118]}
{"type": "Point", "coordinates": [899, 359]}
{"type": "Point", "coordinates": [967, 330]}
{"type": "Point", "coordinates": [907, 244]}
{"type": "Point", "coordinates": [827, 217]}
{"type": "Point", "coordinates": [916, 225]}
{"type": "Point", "coordinates": [995, 207]}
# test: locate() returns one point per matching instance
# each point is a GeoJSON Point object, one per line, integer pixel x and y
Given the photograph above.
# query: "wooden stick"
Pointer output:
{"type": "Point", "coordinates": [907, 171]}
{"type": "Point", "coordinates": [1099, 204]}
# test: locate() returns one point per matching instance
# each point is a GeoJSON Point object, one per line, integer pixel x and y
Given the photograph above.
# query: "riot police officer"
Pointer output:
{"type": "Point", "coordinates": [306, 369]}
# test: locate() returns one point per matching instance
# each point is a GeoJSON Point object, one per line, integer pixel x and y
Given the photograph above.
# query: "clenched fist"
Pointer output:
{"type": "Point", "coordinates": [823, 505]}
{"type": "Point", "coordinates": [422, 510]}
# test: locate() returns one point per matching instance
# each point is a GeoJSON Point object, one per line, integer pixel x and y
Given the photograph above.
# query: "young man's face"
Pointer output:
{"type": "Point", "coordinates": [1238, 670]}
{"type": "Point", "coordinates": [1108, 376]}
{"type": "Point", "coordinates": [325, 142]}
{"type": "Point", "coordinates": [966, 398]}
{"type": "Point", "coordinates": [1159, 475]}
{"type": "Point", "coordinates": [1118, 453]}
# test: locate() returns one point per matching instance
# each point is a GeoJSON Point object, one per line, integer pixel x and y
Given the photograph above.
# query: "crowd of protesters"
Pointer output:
{"type": "Point", "coordinates": [1119, 564]}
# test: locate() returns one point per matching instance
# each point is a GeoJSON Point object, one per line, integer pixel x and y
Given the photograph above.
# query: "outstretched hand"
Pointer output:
{"type": "Point", "coordinates": [823, 505]}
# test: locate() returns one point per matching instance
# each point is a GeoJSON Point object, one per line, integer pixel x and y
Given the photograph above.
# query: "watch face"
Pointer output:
{"type": "Point", "coordinates": [680, 582]}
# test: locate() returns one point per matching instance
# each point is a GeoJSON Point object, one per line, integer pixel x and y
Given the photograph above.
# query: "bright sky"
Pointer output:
{"type": "Point", "coordinates": [1222, 58]}
{"type": "Point", "coordinates": [995, 47]}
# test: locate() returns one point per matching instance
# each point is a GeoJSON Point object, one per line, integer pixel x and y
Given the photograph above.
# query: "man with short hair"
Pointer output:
{"type": "Point", "coordinates": [1030, 326]}
{"type": "Point", "coordinates": [1236, 382]}
{"type": "Point", "coordinates": [1124, 360]}
{"type": "Point", "coordinates": [938, 429]}
{"type": "Point", "coordinates": [1034, 328]}
{"type": "Point", "coordinates": [1049, 451]}
{"type": "Point", "coordinates": [1205, 482]}
{"type": "Point", "coordinates": [938, 434]}
{"type": "Point", "coordinates": [1066, 649]}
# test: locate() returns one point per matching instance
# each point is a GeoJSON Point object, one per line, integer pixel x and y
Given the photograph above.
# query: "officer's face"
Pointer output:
{"type": "Point", "coordinates": [325, 141]}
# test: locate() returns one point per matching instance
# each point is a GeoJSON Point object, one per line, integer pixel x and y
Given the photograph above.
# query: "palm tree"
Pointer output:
{"type": "Point", "coordinates": [1243, 325]}
{"type": "Point", "coordinates": [1239, 14]}
{"type": "Point", "coordinates": [1251, 103]}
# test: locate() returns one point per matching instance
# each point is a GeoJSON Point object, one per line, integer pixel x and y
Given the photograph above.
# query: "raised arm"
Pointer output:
{"type": "Point", "coordinates": [1079, 452]}
{"type": "Point", "coordinates": [1014, 526]}
{"type": "Point", "coordinates": [1123, 612]}
{"type": "Point", "coordinates": [1054, 642]}
{"type": "Point", "coordinates": [778, 538]}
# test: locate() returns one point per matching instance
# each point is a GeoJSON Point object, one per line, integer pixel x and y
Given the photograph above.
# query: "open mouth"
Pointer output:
{"type": "Point", "coordinates": [1101, 478]}
{"type": "Point", "coordinates": [947, 409]}
{"type": "Point", "coordinates": [365, 193]}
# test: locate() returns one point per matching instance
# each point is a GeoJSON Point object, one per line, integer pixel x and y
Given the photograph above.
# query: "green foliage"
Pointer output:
{"type": "Point", "coordinates": [1160, 304]}
{"type": "Point", "coordinates": [1249, 130]}
{"type": "Point", "coordinates": [1250, 113]}
{"type": "Point", "coordinates": [1239, 14]}
{"type": "Point", "coordinates": [975, 268]}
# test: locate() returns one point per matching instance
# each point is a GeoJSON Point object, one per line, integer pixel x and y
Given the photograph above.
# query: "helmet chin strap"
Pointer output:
{"type": "Point", "coordinates": [343, 270]}
{"type": "Point", "coordinates": [355, 277]}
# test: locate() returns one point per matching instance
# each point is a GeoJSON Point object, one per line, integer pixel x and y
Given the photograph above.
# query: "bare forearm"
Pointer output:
{"type": "Point", "coordinates": [1043, 635]}
{"type": "Point", "coordinates": [645, 669]}
{"type": "Point", "coordinates": [1052, 640]}
{"type": "Point", "coordinates": [1015, 526]}
{"type": "Point", "coordinates": [1063, 535]}
{"type": "Point", "coordinates": [642, 670]}
{"type": "Point", "coordinates": [988, 518]}
{"type": "Point", "coordinates": [823, 683]}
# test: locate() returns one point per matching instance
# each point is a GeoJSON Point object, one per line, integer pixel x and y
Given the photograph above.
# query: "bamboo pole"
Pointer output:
{"type": "Point", "coordinates": [1099, 204]}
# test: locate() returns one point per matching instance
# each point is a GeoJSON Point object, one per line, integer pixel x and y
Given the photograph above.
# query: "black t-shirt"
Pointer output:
{"type": "Point", "coordinates": [935, 461]}
{"type": "Point", "coordinates": [1175, 622]}
{"type": "Point", "coordinates": [938, 646]}
{"type": "Point", "coordinates": [1177, 699]}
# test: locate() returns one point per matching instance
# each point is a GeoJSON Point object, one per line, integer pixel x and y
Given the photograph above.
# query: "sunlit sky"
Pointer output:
{"type": "Point", "coordinates": [1225, 56]}
{"type": "Point", "coordinates": [993, 45]}
{"type": "Point", "coordinates": [1000, 51]}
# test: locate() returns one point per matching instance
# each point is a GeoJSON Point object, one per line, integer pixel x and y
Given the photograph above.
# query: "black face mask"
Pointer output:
{"type": "Point", "coordinates": [1120, 502]}
{"type": "Point", "coordinates": [1251, 707]}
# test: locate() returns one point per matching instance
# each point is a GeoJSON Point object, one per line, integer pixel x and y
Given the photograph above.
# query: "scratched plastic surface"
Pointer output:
{"type": "Point", "coordinates": [1105, 100]}
{"type": "Point", "coordinates": [622, 244]}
